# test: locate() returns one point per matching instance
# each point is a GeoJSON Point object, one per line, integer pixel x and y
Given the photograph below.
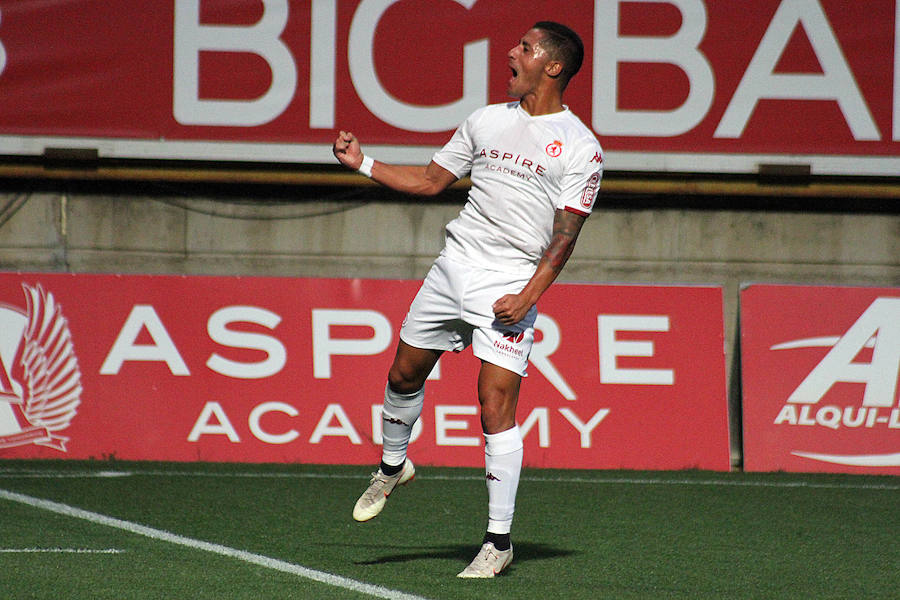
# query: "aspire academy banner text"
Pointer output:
{"type": "Point", "coordinates": [293, 370]}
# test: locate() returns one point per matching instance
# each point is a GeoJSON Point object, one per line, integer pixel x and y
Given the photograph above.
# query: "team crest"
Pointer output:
{"type": "Point", "coordinates": [554, 148]}
{"type": "Point", "coordinates": [40, 382]}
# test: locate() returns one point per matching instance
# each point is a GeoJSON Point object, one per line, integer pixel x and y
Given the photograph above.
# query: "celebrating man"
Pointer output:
{"type": "Point", "coordinates": [535, 170]}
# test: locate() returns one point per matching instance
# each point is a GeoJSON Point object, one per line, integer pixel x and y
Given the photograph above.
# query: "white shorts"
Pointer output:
{"type": "Point", "coordinates": [453, 310]}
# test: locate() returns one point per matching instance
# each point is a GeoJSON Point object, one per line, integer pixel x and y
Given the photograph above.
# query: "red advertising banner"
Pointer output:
{"type": "Point", "coordinates": [820, 371]}
{"type": "Point", "coordinates": [293, 370]}
{"type": "Point", "coordinates": [668, 85]}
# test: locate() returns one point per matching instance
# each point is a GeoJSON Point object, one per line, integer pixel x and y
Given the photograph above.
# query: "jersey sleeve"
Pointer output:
{"type": "Point", "coordinates": [458, 153]}
{"type": "Point", "coordinates": [581, 183]}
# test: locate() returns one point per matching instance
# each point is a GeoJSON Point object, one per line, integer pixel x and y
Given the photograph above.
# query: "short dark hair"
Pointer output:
{"type": "Point", "coordinates": [565, 46]}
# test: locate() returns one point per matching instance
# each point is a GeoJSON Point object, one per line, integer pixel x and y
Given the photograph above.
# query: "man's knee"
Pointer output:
{"type": "Point", "coordinates": [410, 368]}
{"type": "Point", "coordinates": [498, 409]}
{"type": "Point", "coordinates": [405, 380]}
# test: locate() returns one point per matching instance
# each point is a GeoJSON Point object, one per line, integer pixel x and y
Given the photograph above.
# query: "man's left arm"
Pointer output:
{"type": "Point", "coordinates": [512, 308]}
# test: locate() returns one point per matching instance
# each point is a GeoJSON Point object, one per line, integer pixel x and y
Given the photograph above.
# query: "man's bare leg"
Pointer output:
{"type": "Point", "coordinates": [498, 393]}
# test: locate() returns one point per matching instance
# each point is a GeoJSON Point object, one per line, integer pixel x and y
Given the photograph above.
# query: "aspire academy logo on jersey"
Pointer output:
{"type": "Point", "coordinates": [504, 158]}
{"type": "Point", "coordinates": [867, 353]}
{"type": "Point", "coordinates": [40, 381]}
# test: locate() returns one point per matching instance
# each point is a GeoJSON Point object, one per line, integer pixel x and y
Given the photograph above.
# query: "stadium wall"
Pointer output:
{"type": "Point", "coordinates": [62, 228]}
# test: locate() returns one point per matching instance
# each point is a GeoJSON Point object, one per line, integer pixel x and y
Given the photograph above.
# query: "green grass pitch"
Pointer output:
{"type": "Point", "coordinates": [118, 530]}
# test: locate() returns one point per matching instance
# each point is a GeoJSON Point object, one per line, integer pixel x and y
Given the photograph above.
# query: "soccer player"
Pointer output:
{"type": "Point", "coordinates": [535, 170]}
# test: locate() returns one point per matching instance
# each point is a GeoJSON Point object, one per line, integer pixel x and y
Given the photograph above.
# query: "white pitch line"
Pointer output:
{"type": "Point", "coordinates": [14, 474]}
{"type": "Point", "coordinates": [172, 538]}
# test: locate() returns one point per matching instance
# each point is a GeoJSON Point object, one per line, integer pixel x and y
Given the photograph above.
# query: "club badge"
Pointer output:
{"type": "Point", "coordinates": [40, 382]}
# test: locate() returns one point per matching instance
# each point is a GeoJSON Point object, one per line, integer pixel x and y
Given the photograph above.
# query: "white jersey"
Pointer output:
{"type": "Point", "coordinates": [523, 168]}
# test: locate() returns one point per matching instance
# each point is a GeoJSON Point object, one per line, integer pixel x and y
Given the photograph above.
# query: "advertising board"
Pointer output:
{"type": "Point", "coordinates": [820, 369]}
{"type": "Point", "coordinates": [668, 86]}
{"type": "Point", "coordinates": [293, 370]}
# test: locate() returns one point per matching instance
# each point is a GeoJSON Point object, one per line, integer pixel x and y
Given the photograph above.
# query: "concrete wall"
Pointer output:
{"type": "Point", "coordinates": [373, 235]}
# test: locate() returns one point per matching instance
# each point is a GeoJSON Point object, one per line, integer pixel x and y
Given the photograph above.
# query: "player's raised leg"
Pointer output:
{"type": "Point", "coordinates": [404, 396]}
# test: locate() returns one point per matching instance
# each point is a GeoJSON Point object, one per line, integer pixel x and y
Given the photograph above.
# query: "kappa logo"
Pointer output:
{"type": "Point", "coordinates": [40, 381]}
{"type": "Point", "coordinates": [876, 331]}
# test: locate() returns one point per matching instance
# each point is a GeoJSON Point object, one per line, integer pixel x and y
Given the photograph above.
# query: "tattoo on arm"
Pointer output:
{"type": "Point", "coordinates": [566, 227]}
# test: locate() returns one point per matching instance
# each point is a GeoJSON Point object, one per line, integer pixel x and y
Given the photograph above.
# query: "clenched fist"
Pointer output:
{"type": "Point", "coordinates": [346, 150]}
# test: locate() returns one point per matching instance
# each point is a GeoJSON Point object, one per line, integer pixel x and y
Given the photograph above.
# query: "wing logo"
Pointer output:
{"type": "Point", "coordinates": [40, 381]}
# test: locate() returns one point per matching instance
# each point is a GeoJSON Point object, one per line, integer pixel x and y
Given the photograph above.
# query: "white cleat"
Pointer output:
{"type": "Point", "coordinates": [488, 563]}
{"type": "Point", "coordinates": [380, 487]}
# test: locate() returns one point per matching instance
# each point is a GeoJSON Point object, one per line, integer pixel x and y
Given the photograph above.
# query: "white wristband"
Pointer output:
{"type": "Point", "coordinates": [366, 167]}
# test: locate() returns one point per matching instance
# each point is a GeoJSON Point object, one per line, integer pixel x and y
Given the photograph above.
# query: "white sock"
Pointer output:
{"type": "Point", "coordinates": [503, 454]}
{"type": "Point", "coordinates": [398, 414]}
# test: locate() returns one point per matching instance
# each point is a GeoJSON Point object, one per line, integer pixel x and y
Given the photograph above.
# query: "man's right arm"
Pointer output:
{"type": "Point", "coordinates": [421, 181]}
